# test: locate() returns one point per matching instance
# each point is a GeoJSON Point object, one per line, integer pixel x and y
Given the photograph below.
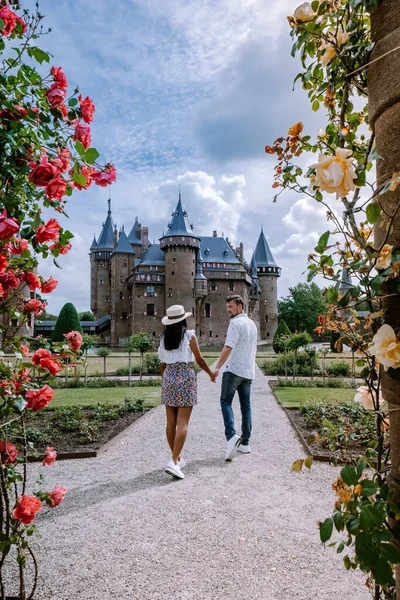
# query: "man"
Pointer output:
{"type": "Point", "coordinates": [239, 354]}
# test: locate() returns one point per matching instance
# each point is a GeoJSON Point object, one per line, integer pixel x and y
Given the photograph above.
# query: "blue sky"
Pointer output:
{"type": "Point", "coordinates": [187, 92]}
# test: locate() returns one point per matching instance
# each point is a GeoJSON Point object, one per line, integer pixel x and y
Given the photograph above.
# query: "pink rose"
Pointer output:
{"type": "Point", "coordinates": [56, 95]}
{"type": "Point", "coordinates": [47, 232]}
{"type": "Point", "coordinates": [87, 172]}
{"type": "Point", "coordinates": [74, 339]}
{"type": "Point", "coordinates": [61, 163]}
{"type": "Point", "coordinates": [49, 285]}
{"type": "Point", "coordinates": [9, 18]}
{"type": "Point", "coordinates": [59, 77]}
{"type": "Point", "coordinates": [106, 177]}
{"type": "Point", "coordinates": [34, 306]}
{"type": "Point", "coordinates": [56, 496]}
{"type": "Point", "coordinates": [8, 226]}
{"type": "Point", "coordinates": [32, 280]}
{"type": "Point", "coordinates": [8, 452]}
{"type": "Point", "coordinates": [52, 366]}
{"type": "Point", "coordinates": [39, 354]}
{"type": "Point", "coordinates": [43, 172]}
{"type": "Point", "coordinates": [61, 249]}
{"type": "Point", "coordinates": [50, 457]}
{"type": "Point", "coordinates": [82, 134]}
{"type": "Point", "coordinates": [56, 188]}
{"type": "Point", "coordinates": [24, 350]}
{"type": "Point", "coordinates": [87, 108]}
{"type": "Point", "coordinates": [38, 399]}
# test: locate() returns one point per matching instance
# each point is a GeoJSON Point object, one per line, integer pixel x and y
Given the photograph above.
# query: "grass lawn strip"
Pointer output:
{"type": "Point", "coordinates": [294, 397]}
{"type": "Point", "coordinates": [89, 397]}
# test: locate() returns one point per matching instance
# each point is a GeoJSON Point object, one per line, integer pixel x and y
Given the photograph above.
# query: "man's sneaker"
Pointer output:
{"type": "Point", "coordinates": [232, 447]}
{"type": "Point", "coordinates": [174, 470]}
{"type": "Point", "coordinates": [182, 463]}
{"type": "Point", "coordinates": [244, 448]}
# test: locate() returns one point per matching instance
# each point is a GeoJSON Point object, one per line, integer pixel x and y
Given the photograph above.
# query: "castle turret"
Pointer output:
{"type": "Point", "coordinates": [122, 263]}
{"type": "Point", "coordinates": [268, 273]}
{"type": "Point", "coordinates": [100, 268]}
{"type": "Point", "coordinates": [180, 246]}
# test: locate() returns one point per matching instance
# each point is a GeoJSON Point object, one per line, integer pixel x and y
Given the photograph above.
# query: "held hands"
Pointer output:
{"type": "Point", "coordinates": [214, 375]}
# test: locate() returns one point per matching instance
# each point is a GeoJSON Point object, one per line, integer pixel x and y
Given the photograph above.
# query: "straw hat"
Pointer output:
{"type": "Point", "coordinates": [175, 314]}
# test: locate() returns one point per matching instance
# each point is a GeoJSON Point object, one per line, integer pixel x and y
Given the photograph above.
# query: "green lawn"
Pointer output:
{"type": "Point", "coordinates": [293, 397]}
{"type": "Point", "coordinates": [91, 396]}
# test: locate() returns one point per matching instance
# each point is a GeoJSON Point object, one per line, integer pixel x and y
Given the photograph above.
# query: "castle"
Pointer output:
{"type": "Point", "coordinates": [134, 281]}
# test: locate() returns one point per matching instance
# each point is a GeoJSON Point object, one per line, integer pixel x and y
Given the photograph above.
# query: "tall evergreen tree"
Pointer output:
{"type": "Point", "coordinates": [282, 330]}
{"type": "Point", "coordinates": [67, 321]}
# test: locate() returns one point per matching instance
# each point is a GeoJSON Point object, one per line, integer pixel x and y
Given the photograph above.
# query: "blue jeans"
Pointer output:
{"type": "Point", "coordinates": [232, 383]}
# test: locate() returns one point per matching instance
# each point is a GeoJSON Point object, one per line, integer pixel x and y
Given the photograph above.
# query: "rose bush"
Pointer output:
{"type": "Point", "coordinates": [45, 154]}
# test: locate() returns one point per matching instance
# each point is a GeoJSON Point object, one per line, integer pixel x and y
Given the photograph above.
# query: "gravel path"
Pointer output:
{"type": "Point", "coordinates": [242, 530]}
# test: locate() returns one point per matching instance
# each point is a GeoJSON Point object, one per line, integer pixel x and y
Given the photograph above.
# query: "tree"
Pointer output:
{"type": "Point", "coordinates": [86, 315]}
{"type": "Point", "coordinates": [302, 307]}
{"type": "Point", "coordinates": [104, 353]}
{"type": "Point", "coordinates": [143, 343]}
{"type": "Point", "coordinates": [67, 321]}
{"type": "Point", "coordinates": [296, 341]}
{"type": "Point", "coordinates": [282, 330]}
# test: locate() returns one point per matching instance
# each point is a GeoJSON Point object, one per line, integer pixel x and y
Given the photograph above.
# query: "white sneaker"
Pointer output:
{"type": "Point", "coordinates": [174, 470]}
{"type": "Point", "coordinates": [182, 463]}
{"type": "Point", "coordinates": [232, 447]}
{"type": "Point", "coordinates": [244, 448]}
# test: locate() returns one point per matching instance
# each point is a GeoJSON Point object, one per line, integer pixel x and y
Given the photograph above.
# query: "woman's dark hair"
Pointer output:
{"type": "Point", "coordinates": [173, 335]}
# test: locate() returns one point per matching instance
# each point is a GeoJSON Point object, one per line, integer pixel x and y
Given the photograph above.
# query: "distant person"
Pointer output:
{"type": "Point", "coordinates": [239, 356]}
{"type": "Point", "coordinates": [179, 381]}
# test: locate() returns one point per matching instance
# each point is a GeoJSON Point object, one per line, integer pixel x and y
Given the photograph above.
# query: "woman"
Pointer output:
{"type": "Point", "coordinates": [179, 382]}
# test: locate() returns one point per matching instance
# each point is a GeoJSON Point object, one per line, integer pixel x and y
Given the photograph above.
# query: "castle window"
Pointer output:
{"type": "Point", "coordinates": [174, 260]}
{"type": "Point", "coordinates": [124, 264]}
{"type": "Point", "coordinates": [150, 311]}
{"type": "Point", "coordinates": [121, 278]}
{"type": "Point", "coordinates": [210, 333]}
{"type": "Point", "coordinates": [107, 299]}
{"type": "Point", "coordinates": [267, 318]}
{"type": "Point", "coordinates": [124, 315]}
{"type": "Point", "coordinates": [207, 310]}
{"type": "Point", "coordinates": [272, 288]}
{"type": "Point", "coordinates": [101, 280]}
{"type": "Point", "coordinates": [121, 295]}
{"type": "Point", "coordinates": [231, 286]}
{"type": "Point", "coordinates": [102, 264]}
{"type": "Point", "coordinates": [213, 285]}
{"type": "Point", "coordinates": [169, 292]}
{"type": "Point", "coordinates": [192, 311]}
{"type": "Point", "coordinates": [172, 272]}
{"type": "Point", "coordinates": [150, 290]}
{"type": "Point", "coordinates": [267, 333]}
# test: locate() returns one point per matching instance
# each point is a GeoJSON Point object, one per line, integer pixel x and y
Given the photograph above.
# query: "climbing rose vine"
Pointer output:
{"type": "Point", "coordinates": [45, 155]}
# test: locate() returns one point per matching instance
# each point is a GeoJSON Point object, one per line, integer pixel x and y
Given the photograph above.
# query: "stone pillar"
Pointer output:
{"type": "Point", "coordinates": [384, 117]}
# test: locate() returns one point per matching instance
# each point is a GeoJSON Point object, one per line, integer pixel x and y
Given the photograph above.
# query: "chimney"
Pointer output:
{"type": "Point", "coordinates": [115, 237]}
{"type": "Point", "coordinates": [145, 236]}
{"type": "Point", "coordinates": [215, 233]}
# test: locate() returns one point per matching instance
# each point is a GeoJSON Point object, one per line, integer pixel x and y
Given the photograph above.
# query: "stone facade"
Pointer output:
{"type": "Point", "coordinates": [134, 282]}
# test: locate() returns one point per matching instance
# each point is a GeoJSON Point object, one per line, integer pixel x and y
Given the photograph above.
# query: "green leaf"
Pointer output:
{"type": "Point", "coordinates": [318, 196]}
{"type": "Point", "coordinates": [72, 102]}
{"type": "Point", "coordinates": [79, 178]}
{"type": "Point", "coordinates": [373, 155]}
{"type": "Point", "coordinates": [338, 519]}
{"type": "Point", "coordinates": [347, 562]}
{"type": "Point", "coordinates": [386, 187]}
{"type": "Point", "coordinates": [373, 212]}
{"type": "Point", "coordinates": [80, 148]}
{"type": "Point", "coordinates": [369, 488]}
{"type": "Point", "coordinates": [1, 24]}
{"type": "Point", "coordinates": [322, 242]}
{"type": "Point", "coordinates": [391, 553]}
{"type": "Point", "coordinates": [91, 155]}
{"type": "Point", "coordinates": [332, 295]}
{"type": "Point", "coordinates": [20, 404]}
{"type": "Point", "coordinates": [297, 465]}
{"type": "Point", "coordinates": [308, 462]}
{"type": "Point", "coordinates": [325, 530]}
{"type": "Point", "coordinates": [349, 475]}
{"type": "Point", "coordinates": [382, 572]}
{"type": "Point", "coordinates": [315, 105]}
{"type": "Point", "coordinates": [340, 548]}
{"type": "Point", "coordinates": [361, 177]}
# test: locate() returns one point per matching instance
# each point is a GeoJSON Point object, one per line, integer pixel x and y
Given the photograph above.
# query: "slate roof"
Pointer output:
{"type": "Point", "coordinates": [179, 224]}
{"type": "Point", "coordinates": [133, 235]}
{"type": "Point", "coordinates": [94, 243]}
{"type": "Point", "coordinates": [345, 282]}
{"type": "Point", "coordinates": [123, 246]}
{"type": "Point", "coordinates": [217, 250]}
{"type": "Point", "coordinates": [153, 256]}
{"type": "Point", "coordinates": [262, 253]}
{"type": "Point", "coordinates": [106, 237]}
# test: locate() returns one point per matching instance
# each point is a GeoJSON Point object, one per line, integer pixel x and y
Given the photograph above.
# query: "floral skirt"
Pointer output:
{"type": "Point", "coordinates": [179, 385]}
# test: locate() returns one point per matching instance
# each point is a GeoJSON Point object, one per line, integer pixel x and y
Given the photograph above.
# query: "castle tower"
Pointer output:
{"type": "Point", "coordinates": [100, 268]}
{"type": "Point", "coordinates": [180, 247]}
{"type": "Point", "coordinates": [200, 292]}
{"type": "Point", "coordinates": [122, 263]}
{"type": "Point", "coordinates": [268, 273]}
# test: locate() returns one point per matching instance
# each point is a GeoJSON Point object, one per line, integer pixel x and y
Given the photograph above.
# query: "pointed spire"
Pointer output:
{"type": "Point", "coordinates": [262, 253]}
{"type": "Point", "coordinates": [180, 224]}
{"type": "Point", "coordinates": [106, 237]}
{"type": "Point", "coordinates": [199, 266]}
{"type": "Point", "coordinates": [123, 246]}
{"type": "Point", "coordinates": [253, 267]}
{"type": "Point", "coordinates": [346, 281]}
{"type": "Point", "coordinates": [94, 243]}
{"type": "Point", "coordinates": [133, 235]}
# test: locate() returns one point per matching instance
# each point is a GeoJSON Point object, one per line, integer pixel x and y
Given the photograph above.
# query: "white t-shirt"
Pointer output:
{"type": "Point", "coordinates": [242, 338]}
{"type": "Point", "coordinates": [181, 354]}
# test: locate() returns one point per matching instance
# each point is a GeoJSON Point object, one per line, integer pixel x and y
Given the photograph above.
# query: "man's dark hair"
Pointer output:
{"type": "Point", "coordinates": [238, 300]}
{"type": "Point", "coordinates": [173, 335]}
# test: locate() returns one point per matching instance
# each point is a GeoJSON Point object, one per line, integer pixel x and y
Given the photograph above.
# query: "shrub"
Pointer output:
{"type": "Point", "coordinates": [151, 364]}
{"type": "Point", "coordinates": [317, 383]}
{"type": "Point", "coordinates": [339, 369]}
{"type": "Point", "coordinates": [278, 343]}
{"type": "Point", "coordinates": [67, 321]}
{"type": "Point", "coordinates": [276, 366]}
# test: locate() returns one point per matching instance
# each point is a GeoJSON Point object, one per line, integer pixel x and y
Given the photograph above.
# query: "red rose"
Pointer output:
{"type": "Point", "coordinates": [39, 354]}
{"type": "Point", "coordinates": [59, 77]}
{"type": "Point", "coordinates": [50, 457]}
{"type": "Point", "coordinates": [56, 95]}
{"type": "Point", "coordinates": [47, 232]}
{"type": "Point", "coordinates": [8, 226]}
{"type": "Point", "coordinates": [32, 280]}
{"type": "Point", "coordinates": [34, 306]}
{"type": "Point", "coordinates": [3, 263]}
{"type": "Point", "coordinates": [9, 280]}
{"type": "Point", "coordinates": [9, 18]}
{"type": "Point", "coordinates": [106, 177]}
{"type": "Point", "coordinates": [56, 496]}
{"type": "Point", "coordinates": [26, 508]}
{"type": "Point", "coordinates": [43, 172]}
{"type": "Point", "coordinates": [87, 108]}
{"type": "Point", "coordinates": [74, 339]}
{"type": "Point", "coordinates": [82, 133]}
{"type": "Point", "coordinates": [61, 163]}
{"type": "Point", "coordinates": [8, 452]}
{"type": "Point", "coordinates": [24, 350]}
{"type": "Point", "coordinates": [52, 366]}
{"type": "Point", "coordinates": [62, 249]}
{"type": "Point", "coordinates": [64, 110]}
{"type": "Point", "coordinates": [87, 172]}
{"type": "Point", "coordinates": [14, 114]}
{"type": "Point", "coordinates": [49, 285]}
{"type": "Point", "coordinates": [18, 246]}
{"type": "Point", "coordinates": [38, 399]}
{"type": "Point", "coordinates": [56, 188]}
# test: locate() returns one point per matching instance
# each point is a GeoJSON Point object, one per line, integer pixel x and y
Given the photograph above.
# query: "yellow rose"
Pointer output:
{"type": "Point", "coordinates": [364, 397]}
{"type": "Point", "coordinates": [328, 55]}
{"type": "Point", "coordinates": [386, 347]}
{"type": "Point", "coordinates": [304, 13]}
{"type": "Point", "coordinates": [342, 37]}
{"type": "Point", "coordinates": [385, 257]}
{"type": "Point", "coordinates": [295, 130]}
{"type": "Point", "coordinates": [335, 174]}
